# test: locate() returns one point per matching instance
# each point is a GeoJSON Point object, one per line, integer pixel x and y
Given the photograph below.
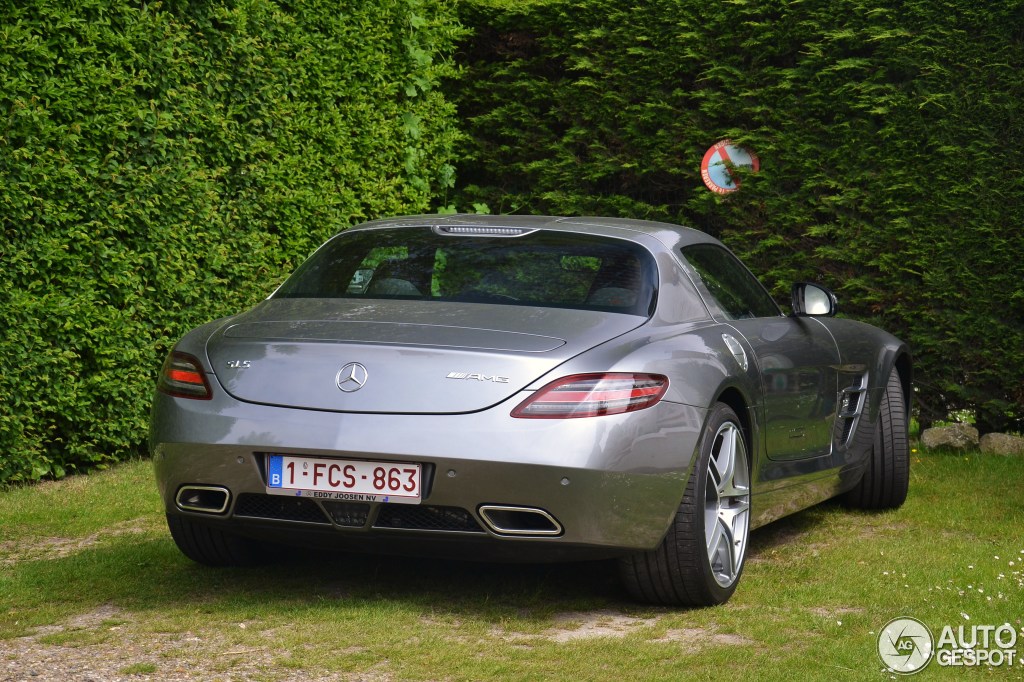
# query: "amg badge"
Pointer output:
{"type": "Point", "coordinates": [478, 377]}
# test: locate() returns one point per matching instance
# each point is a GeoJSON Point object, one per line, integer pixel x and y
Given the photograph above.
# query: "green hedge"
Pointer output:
{"type": "Point", "coordinates": [162, 164]}
{"type": "Point", "coordinates": [889, 138]}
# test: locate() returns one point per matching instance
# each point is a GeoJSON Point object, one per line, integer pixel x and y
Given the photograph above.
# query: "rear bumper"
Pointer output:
{"type": "Point", "coordinates": [610, 484]}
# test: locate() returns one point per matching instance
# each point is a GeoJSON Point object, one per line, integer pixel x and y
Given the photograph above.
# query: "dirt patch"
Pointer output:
{"type": "Point", "coordinates": [580, 625]}
{"type": "Point", "coordinates": [95, 649]}
{"type": "Point", "coordinates": [695, 639]}
{"type": "Point", "coordinates": [36, 549]}
{"type": "Point", "coordinates": [571, 626]}
{"type": "Point", "coordinates": [836, 612]}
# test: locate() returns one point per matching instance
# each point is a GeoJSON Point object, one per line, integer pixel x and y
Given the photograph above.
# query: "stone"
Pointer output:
{"type": "Point", "coordinates": [1002, 444]}
{"type": "Point", "coordinates": [955, 436]}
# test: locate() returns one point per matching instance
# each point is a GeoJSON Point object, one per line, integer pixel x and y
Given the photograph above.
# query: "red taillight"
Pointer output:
{"type": "Point", "coordinates": [182, 376]}
{"type": "Point", "coordinates": [593, 395]}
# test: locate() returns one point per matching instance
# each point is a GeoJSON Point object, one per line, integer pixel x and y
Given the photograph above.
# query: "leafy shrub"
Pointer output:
{"type": "Point", "coordinates": [887, 134]}
{"type": "Point", "coordinates": [163, 164]}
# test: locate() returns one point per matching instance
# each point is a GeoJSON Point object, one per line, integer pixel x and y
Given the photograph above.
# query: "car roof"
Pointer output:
{"type": "Point", "coordinates": [667, 233]}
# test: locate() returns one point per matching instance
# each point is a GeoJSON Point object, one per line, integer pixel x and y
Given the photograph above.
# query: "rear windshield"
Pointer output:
{"type": "Point", "coordinates": [541, 268]}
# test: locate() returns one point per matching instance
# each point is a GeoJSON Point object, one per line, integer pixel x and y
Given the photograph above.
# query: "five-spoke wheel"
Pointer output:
{"type": "Point", "coordinates": [701, 558]}
{"type": "Point", "coordinates": [727, 504]}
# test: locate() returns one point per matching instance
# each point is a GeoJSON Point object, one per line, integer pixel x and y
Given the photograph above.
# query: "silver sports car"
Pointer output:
{"type": "Point", "coordinates": [527, 388]}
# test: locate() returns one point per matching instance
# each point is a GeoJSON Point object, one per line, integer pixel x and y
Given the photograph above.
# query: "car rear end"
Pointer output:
{"type": "Point", "coordinates": [424, 388]}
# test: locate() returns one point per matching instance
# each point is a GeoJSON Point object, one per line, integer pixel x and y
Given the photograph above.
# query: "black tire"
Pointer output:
{"type": "Point", "coordinates": [211, 546]}
{"type": "Point", "coordinates": [681, 571]}
{"type": "Point", "coordinates": [887, 476]}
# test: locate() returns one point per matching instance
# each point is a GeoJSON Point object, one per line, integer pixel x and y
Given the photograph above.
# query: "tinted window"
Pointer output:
{"type": "Point", "coordinates": [729, 283]}
{"type": "Point", "coordinates": [548, 269]}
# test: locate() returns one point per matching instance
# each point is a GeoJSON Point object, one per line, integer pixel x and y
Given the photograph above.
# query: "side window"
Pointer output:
{"type": "Point", "coordinates": [730, 284]}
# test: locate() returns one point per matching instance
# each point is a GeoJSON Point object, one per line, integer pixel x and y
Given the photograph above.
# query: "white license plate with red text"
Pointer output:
{"type": "Point", "coordinates": [344, 479]}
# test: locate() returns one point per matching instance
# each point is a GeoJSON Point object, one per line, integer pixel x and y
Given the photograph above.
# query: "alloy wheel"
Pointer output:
{"type": "Point", "coordinates": [727, 504]}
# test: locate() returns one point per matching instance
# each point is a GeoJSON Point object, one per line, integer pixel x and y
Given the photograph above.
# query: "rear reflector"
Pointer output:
{"type": "Point", "coordinates": [182, 376]}
{"type": "Point", "coordinates": [593, 395]}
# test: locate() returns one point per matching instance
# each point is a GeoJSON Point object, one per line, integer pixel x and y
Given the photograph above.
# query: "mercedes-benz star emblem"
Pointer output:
{"type": "Point", "coordinates": [352, 377]}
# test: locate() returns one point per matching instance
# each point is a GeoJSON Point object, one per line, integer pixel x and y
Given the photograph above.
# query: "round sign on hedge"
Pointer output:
{"type": "Point", "coordinates": [717, 160]}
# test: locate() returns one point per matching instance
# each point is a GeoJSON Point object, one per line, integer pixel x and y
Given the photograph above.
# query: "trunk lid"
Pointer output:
{"type": "Point", "coordinates": [409, 357]}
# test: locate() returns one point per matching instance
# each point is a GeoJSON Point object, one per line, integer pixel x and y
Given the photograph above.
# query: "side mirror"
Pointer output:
{"type": "Point", "coordinates": [813, 300]}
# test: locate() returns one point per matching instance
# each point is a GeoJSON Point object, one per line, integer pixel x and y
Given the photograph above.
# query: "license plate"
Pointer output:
{"type": "Point", "coordinates": [344, 479]}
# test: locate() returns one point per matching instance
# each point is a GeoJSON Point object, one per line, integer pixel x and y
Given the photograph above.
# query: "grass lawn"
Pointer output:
{"type": "Point", "coordinates": [90, 580]}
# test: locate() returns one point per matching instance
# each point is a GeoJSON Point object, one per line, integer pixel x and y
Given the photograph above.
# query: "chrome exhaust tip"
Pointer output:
{"type": "Point", "coordinates": [206, 499]}
{"type": "Point", "coordinates": [525, 521]}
